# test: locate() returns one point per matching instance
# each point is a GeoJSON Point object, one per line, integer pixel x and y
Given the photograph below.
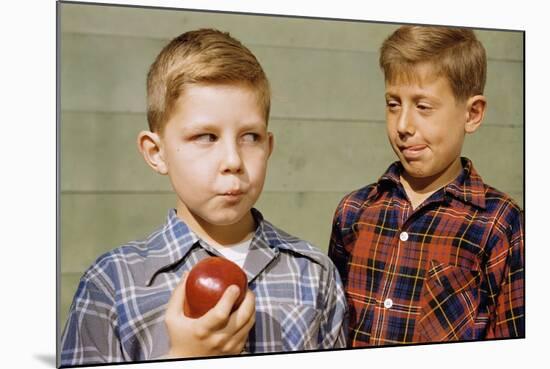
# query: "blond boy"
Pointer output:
{"type": "Point", "coordinates": [430, 252]}
{"type": "Point", "coordinates": [208, 108]}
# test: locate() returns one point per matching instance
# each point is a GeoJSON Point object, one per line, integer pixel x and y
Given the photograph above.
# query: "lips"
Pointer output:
{"type": "Point", "coordinates": [232, 196]}
{"type": "Point", "coordinates": [233, 193]}
{"type": "Point", "coordinates": [412, 151]}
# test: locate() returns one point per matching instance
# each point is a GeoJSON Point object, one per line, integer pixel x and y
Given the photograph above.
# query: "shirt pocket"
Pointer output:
{"type": "Point", "coordinates": [449, 304]}
{"type": "Point", "coordinates": [299, 326]}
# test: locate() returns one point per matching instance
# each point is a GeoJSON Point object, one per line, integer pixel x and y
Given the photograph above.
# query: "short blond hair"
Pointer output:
{"type": "Point", "coordinates": [455, 53]}
{"type": "Point", "coordinates": [204, 56]}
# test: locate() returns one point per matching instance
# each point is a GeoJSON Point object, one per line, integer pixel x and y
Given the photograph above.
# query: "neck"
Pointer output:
{"type": "Point", "coordinates": [419, 189]}
{"type": "Point", "coordinates": [219, 235]}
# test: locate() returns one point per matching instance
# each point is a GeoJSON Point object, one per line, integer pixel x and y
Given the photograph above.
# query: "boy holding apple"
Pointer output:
{"type": "Point", "coordinates": [208, 107]}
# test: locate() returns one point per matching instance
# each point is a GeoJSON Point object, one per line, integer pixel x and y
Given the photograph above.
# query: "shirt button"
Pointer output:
{"type": "Point", "coordinates": [388, 303]}
{"type": "Point", "coordinates": [404, 236]}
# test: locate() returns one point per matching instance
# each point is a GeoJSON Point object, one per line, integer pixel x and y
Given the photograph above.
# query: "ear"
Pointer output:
{"type": "Point", "coordinates": [150, 146]}
{"type": "Point", "coordinates": [271, 142]}
{"type": "Point", "coordinates": [475, 107]}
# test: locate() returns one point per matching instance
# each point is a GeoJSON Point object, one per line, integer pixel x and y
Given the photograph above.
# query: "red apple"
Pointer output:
{"type": "Point", "coordinates": [207, 282]}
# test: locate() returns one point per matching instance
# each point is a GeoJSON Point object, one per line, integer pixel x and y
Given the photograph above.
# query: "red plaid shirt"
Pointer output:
{"type": "Point", "coordinates": [451, 269]}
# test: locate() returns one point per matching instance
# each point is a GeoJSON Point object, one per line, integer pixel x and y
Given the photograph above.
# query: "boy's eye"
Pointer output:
{"type": "Point", "coordinates": [206, 137]}
{"type": "Point", "coordinates": [251, 137]}
{"type": "Point", "coordinates": [423, 107]}
{"type": "Point", "coordinates": [392, 105]}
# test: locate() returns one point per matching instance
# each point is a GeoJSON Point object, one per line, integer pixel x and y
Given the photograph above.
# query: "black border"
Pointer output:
{"type": "Point", "coordinates": [58, 184]}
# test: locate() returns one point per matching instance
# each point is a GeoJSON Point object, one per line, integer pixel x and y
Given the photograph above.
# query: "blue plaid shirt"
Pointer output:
{"type": "Point", "coordinates": [118, 310]}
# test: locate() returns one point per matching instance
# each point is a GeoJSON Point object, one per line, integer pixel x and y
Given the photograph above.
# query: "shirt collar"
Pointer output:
{"type": "Point", "coordinates": [168, 246]}
{"type": "Point", "coordinates": [174, 240]}
{"type": "Point", "coordinates": [468, 187]}
{"type": "Point", "coordinates": [271, 241]}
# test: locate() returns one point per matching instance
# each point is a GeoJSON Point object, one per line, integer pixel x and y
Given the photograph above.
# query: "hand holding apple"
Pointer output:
{"type": "Point", "coordinates": [221, 331]}
{"type": "Point", "coordinates": [206, 283]}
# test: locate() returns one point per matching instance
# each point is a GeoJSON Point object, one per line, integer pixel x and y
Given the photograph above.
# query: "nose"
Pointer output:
{"type": "Point", "coordinates": [231, 161]}
{"type": "Point", "coordinates": [405, 123]}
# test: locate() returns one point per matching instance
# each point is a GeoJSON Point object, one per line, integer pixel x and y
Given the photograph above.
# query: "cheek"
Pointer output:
{"type": "Point", "coordinates": [256, 167]}
{"type": "Point", "coordinates": [389, 125]}
{"type": "Point", "coordinates": [391, 128]}
{"type": "Point", "coordinates": [448, 136]}
{"type": "Point", "coordinates": [193, 172]}
{"type": "Point", "coordinates": [392, 138]}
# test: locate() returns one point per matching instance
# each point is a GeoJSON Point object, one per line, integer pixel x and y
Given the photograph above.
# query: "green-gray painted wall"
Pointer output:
{"type": "Point", "coordinates": [327, 117]}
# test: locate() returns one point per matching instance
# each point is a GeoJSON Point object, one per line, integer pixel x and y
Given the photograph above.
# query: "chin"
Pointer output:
{"type": "Point", "coordinates": [411, 169]}
{"type": "Point", "coordinates": [227, 219]}
{"type": "Point", "coordinates": [416, 172]}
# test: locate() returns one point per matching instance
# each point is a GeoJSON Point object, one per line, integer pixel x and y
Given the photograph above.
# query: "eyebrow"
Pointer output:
{"type": "Point", "coordinates": [253, 125]}
{"type": "Point", "coordinates": [199, 126]}
{"type": "Point", "coordinates": [414, 97]}
{"type": "Point", "coordinates": [208, 126]}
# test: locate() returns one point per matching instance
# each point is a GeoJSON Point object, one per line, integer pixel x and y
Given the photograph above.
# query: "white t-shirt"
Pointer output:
{"type": "Point", "coordinates": [236, 252]}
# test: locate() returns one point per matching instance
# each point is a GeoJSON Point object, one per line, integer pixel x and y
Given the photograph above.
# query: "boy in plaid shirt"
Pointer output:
{"type": "Point", "coordinates": [430, 252]}
{"type": "Point", "coordinates": [208, 107]}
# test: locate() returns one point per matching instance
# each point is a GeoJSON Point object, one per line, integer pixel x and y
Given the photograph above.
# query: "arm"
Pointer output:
{"type": "Point", "coordinates": [90, 333]}
{"type": "Point", "coordinates": [505, 271]}
{"type": "Point", "coordinates": [218, 332]}
{"type": "Point", "coordinates": [334, 324]}
{"type": "Point", "coordinates": [336, 250]}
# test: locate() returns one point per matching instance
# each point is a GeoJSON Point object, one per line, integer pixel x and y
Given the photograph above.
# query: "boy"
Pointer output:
{"type": "Point", "coordinates": [429, 252]}
{"type": "Point", "coordinates": [208, 107]}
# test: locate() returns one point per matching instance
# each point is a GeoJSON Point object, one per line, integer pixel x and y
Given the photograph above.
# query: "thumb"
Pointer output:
{"type": "Point", "coordinates": [217, 316]}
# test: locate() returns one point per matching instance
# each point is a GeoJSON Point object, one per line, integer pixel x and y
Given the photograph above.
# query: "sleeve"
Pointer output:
{"type": "Point", "coordinates": [505, 276]}
{"type": "Point", "coordinates": [337, 251]}
{"type": "Point", "coordinates": [90, 334]}
{"type": "Point", "coordinates": [333, 331]}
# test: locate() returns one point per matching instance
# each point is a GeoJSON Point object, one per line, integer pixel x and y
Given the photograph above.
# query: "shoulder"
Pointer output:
{"type": "Point", "coordinates": [295, 246]}
{"type": "Point", "coordinates": [493, 205]}
{"type": "Point", "coordinates": [356, 199]}
{"type": "Point", "coordinates": [504, 220]}
{"type": "Point", "coordinates": [498, 199]}
{"type": "Point", "coordinates": [109, 271]}
{"type": "Point", "coordinates": [506, 213]}
{"type": "Point", "coordinates": [351, 206]}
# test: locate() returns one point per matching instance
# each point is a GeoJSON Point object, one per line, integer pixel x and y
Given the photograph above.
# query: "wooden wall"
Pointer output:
{"type": "Point", "coordinates": [327, 117]}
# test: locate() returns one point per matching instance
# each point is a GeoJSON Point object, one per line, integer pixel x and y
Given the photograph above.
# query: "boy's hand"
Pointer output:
{"type": "Point", "coordinates": [218, 332]}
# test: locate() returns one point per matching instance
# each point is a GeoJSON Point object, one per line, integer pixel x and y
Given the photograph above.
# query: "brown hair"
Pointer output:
{"type": "Point", "coordinates": [203, 56]}
{"type": "Point", "coordinates": [455, 53]}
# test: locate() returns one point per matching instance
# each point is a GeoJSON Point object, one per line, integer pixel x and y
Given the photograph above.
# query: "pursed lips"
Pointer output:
{"type": "Point", "coordinates": [233, 197]}
{"type": "Point", "coordinates": [233, 193]}
{"type": "Point", "coordinates": [412, 151]}
{"type": "Point", "coordinates": [412, 147]}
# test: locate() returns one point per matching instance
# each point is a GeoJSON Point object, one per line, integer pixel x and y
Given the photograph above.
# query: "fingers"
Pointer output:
{"type": "Point", "coordinates": [239, 336]}
{"type": "Point", "coordinates": [219, 331]}
{"type": "Point", "coordinates": [244, 317]}
{"type": "Point", "coordinates": [246, 310]}
{"type": "Point", "coordinates": [239, 339]}
{"type": "Point", "coordinates": [238, 327]}
{"type": "Point", "coordinates": [218, 316]}
{"type": "Point", "coordinates": [175, 304]}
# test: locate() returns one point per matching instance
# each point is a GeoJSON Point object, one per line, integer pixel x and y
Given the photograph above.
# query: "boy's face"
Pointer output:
{"type": "Point", "coordinates": [426, 125]}
{"type": "Point", "coordinates": [215, 147]}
